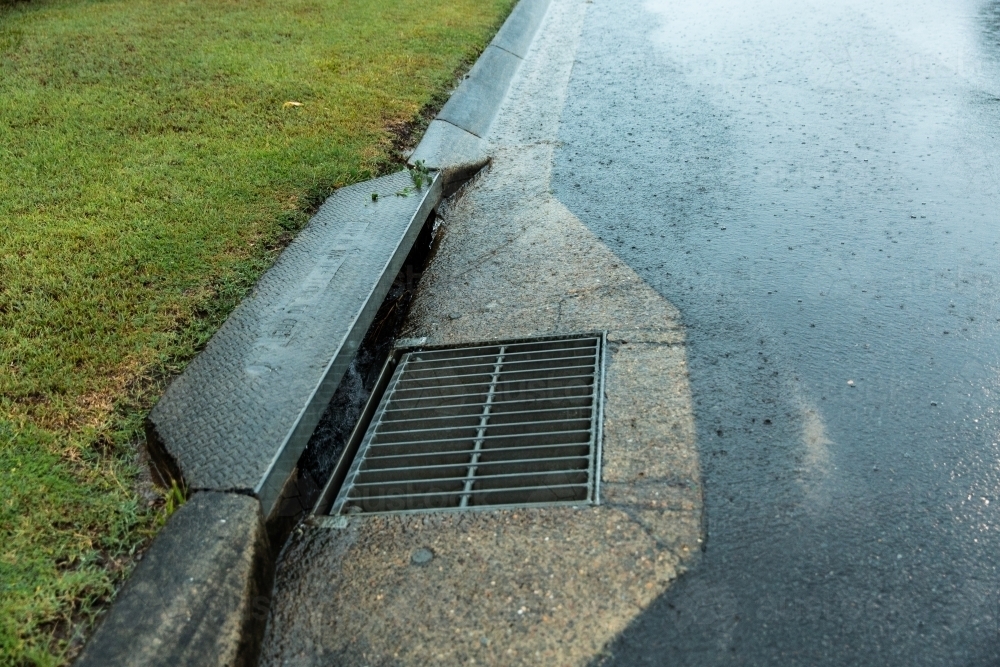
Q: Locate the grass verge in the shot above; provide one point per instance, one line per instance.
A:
(155, 156)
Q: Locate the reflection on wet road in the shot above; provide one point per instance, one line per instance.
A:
(817, 187)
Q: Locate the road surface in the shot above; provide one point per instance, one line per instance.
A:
(815, 186)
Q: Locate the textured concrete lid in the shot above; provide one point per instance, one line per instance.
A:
(240, 415)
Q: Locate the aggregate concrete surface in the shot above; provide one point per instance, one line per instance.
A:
(532, 586)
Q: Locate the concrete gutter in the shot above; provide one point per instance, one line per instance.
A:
(200, 595)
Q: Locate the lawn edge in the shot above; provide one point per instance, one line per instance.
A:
(236, 626)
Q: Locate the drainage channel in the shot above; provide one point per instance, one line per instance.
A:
(501, 424)
(331, 435)
(417, 428)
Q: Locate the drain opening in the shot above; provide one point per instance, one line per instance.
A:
(350, 403)
(509, 423)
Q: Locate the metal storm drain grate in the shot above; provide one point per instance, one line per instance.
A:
(510, 423)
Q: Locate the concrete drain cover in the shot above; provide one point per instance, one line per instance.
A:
(505, 424)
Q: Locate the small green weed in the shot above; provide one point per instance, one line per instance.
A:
(173, 498)
(420, 175)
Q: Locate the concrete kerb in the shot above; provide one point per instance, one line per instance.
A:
(453, 143)
(199, 596)
(240, 415)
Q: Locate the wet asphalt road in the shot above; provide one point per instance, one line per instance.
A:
(817, 187)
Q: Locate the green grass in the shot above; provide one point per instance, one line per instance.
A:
(150, 170)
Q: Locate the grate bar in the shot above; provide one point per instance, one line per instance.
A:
(481, 432)
(502, 462)
(482, 426)
(479, 393)
(492, 450)
(477, 384)
(425, 378)
(485, 437)
(505, 414)
(466, 405)
(501, 489)
(586, 357)
(517, 364)
(467, 486)
(437, 360)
